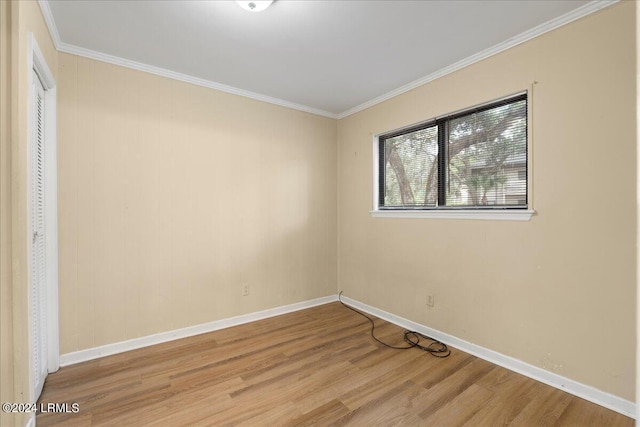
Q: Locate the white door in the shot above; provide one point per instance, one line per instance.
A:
(38, 313)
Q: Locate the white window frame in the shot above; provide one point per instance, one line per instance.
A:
(475, 214)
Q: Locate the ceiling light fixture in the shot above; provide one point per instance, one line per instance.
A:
(254, 5)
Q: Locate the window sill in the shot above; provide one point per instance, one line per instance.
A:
(500, 215)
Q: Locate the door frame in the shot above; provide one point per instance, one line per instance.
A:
(37, 63)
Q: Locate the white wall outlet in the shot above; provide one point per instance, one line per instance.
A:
(245, 289)
(431, 300)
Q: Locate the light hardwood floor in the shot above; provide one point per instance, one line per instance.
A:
(314, 367)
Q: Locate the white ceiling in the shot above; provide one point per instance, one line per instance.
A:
(327, 57)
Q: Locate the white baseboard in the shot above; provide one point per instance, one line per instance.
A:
(583, 391)
(120, 347)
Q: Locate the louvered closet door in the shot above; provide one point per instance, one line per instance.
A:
(38, 255)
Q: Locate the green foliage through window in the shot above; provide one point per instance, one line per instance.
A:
(473, 159)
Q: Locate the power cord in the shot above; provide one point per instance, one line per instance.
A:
(412, 338)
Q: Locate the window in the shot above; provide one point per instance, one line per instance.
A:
(471, 160)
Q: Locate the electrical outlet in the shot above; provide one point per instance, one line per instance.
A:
(431, 301)
(245, 289)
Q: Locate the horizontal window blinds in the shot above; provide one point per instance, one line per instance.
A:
(473, 159)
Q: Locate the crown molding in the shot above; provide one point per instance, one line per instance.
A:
(578, 13)
(92, 54)
(51, 23)
(111, 59)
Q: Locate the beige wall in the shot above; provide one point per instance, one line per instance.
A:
(637, 212)
(6, 323)
(558, 291)
(171, 196)
(19, 18)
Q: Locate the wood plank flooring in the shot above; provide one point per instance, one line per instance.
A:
(315, 367)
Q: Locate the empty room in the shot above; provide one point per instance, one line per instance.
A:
(316, 213)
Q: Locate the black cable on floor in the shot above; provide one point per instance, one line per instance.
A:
(412, 338)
